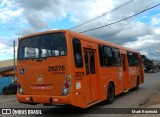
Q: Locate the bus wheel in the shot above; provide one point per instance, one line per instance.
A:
(110, 94)
(137, 84)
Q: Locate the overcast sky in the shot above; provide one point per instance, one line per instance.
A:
(22, 17)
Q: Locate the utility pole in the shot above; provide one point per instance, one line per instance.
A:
(14, 64)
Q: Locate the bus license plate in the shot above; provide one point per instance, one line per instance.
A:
(41, 87)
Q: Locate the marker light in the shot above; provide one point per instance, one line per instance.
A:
(19, 88)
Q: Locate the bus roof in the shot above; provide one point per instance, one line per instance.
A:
(82, 37)
(100, 41)
(41, 33)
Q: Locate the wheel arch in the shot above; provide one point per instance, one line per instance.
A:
(113, 83)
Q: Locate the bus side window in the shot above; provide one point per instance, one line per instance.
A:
(77, 53)
(133, 59)
(86, 62)
(92, 63)
(136, 59)
(130, 58)
(101, 58)
(108, 56)
(117, 57)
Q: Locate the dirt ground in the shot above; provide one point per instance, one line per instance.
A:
(153, 101)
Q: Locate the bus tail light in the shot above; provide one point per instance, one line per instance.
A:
(67, 85)
(19, 88)
(68, 79)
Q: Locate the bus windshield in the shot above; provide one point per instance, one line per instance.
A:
(42, 46)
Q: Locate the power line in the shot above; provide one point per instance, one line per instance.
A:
(121, 19)
(135, 17)
(154, 53)
(103, 14)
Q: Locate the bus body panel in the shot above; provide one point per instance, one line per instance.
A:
(86, 88)
(45, 77)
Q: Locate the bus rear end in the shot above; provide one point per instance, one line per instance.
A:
(42, 69)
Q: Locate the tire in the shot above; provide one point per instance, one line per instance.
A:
(110, 94)
(137, 85)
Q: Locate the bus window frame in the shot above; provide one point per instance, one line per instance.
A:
(41, 57)
(101, 55)
(74, 53)
(128, 57)
(120, 64)
(106, 56)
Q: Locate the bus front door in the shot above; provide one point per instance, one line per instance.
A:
(91, 79)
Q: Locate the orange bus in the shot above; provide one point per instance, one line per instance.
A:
(65, 67)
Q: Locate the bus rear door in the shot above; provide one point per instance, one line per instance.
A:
(91, 79)
(125, 73)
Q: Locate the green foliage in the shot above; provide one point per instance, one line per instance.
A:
(148, 63)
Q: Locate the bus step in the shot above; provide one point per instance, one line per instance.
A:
(126, 90)
(92, 103)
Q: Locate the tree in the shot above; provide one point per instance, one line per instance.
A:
(148, 63)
